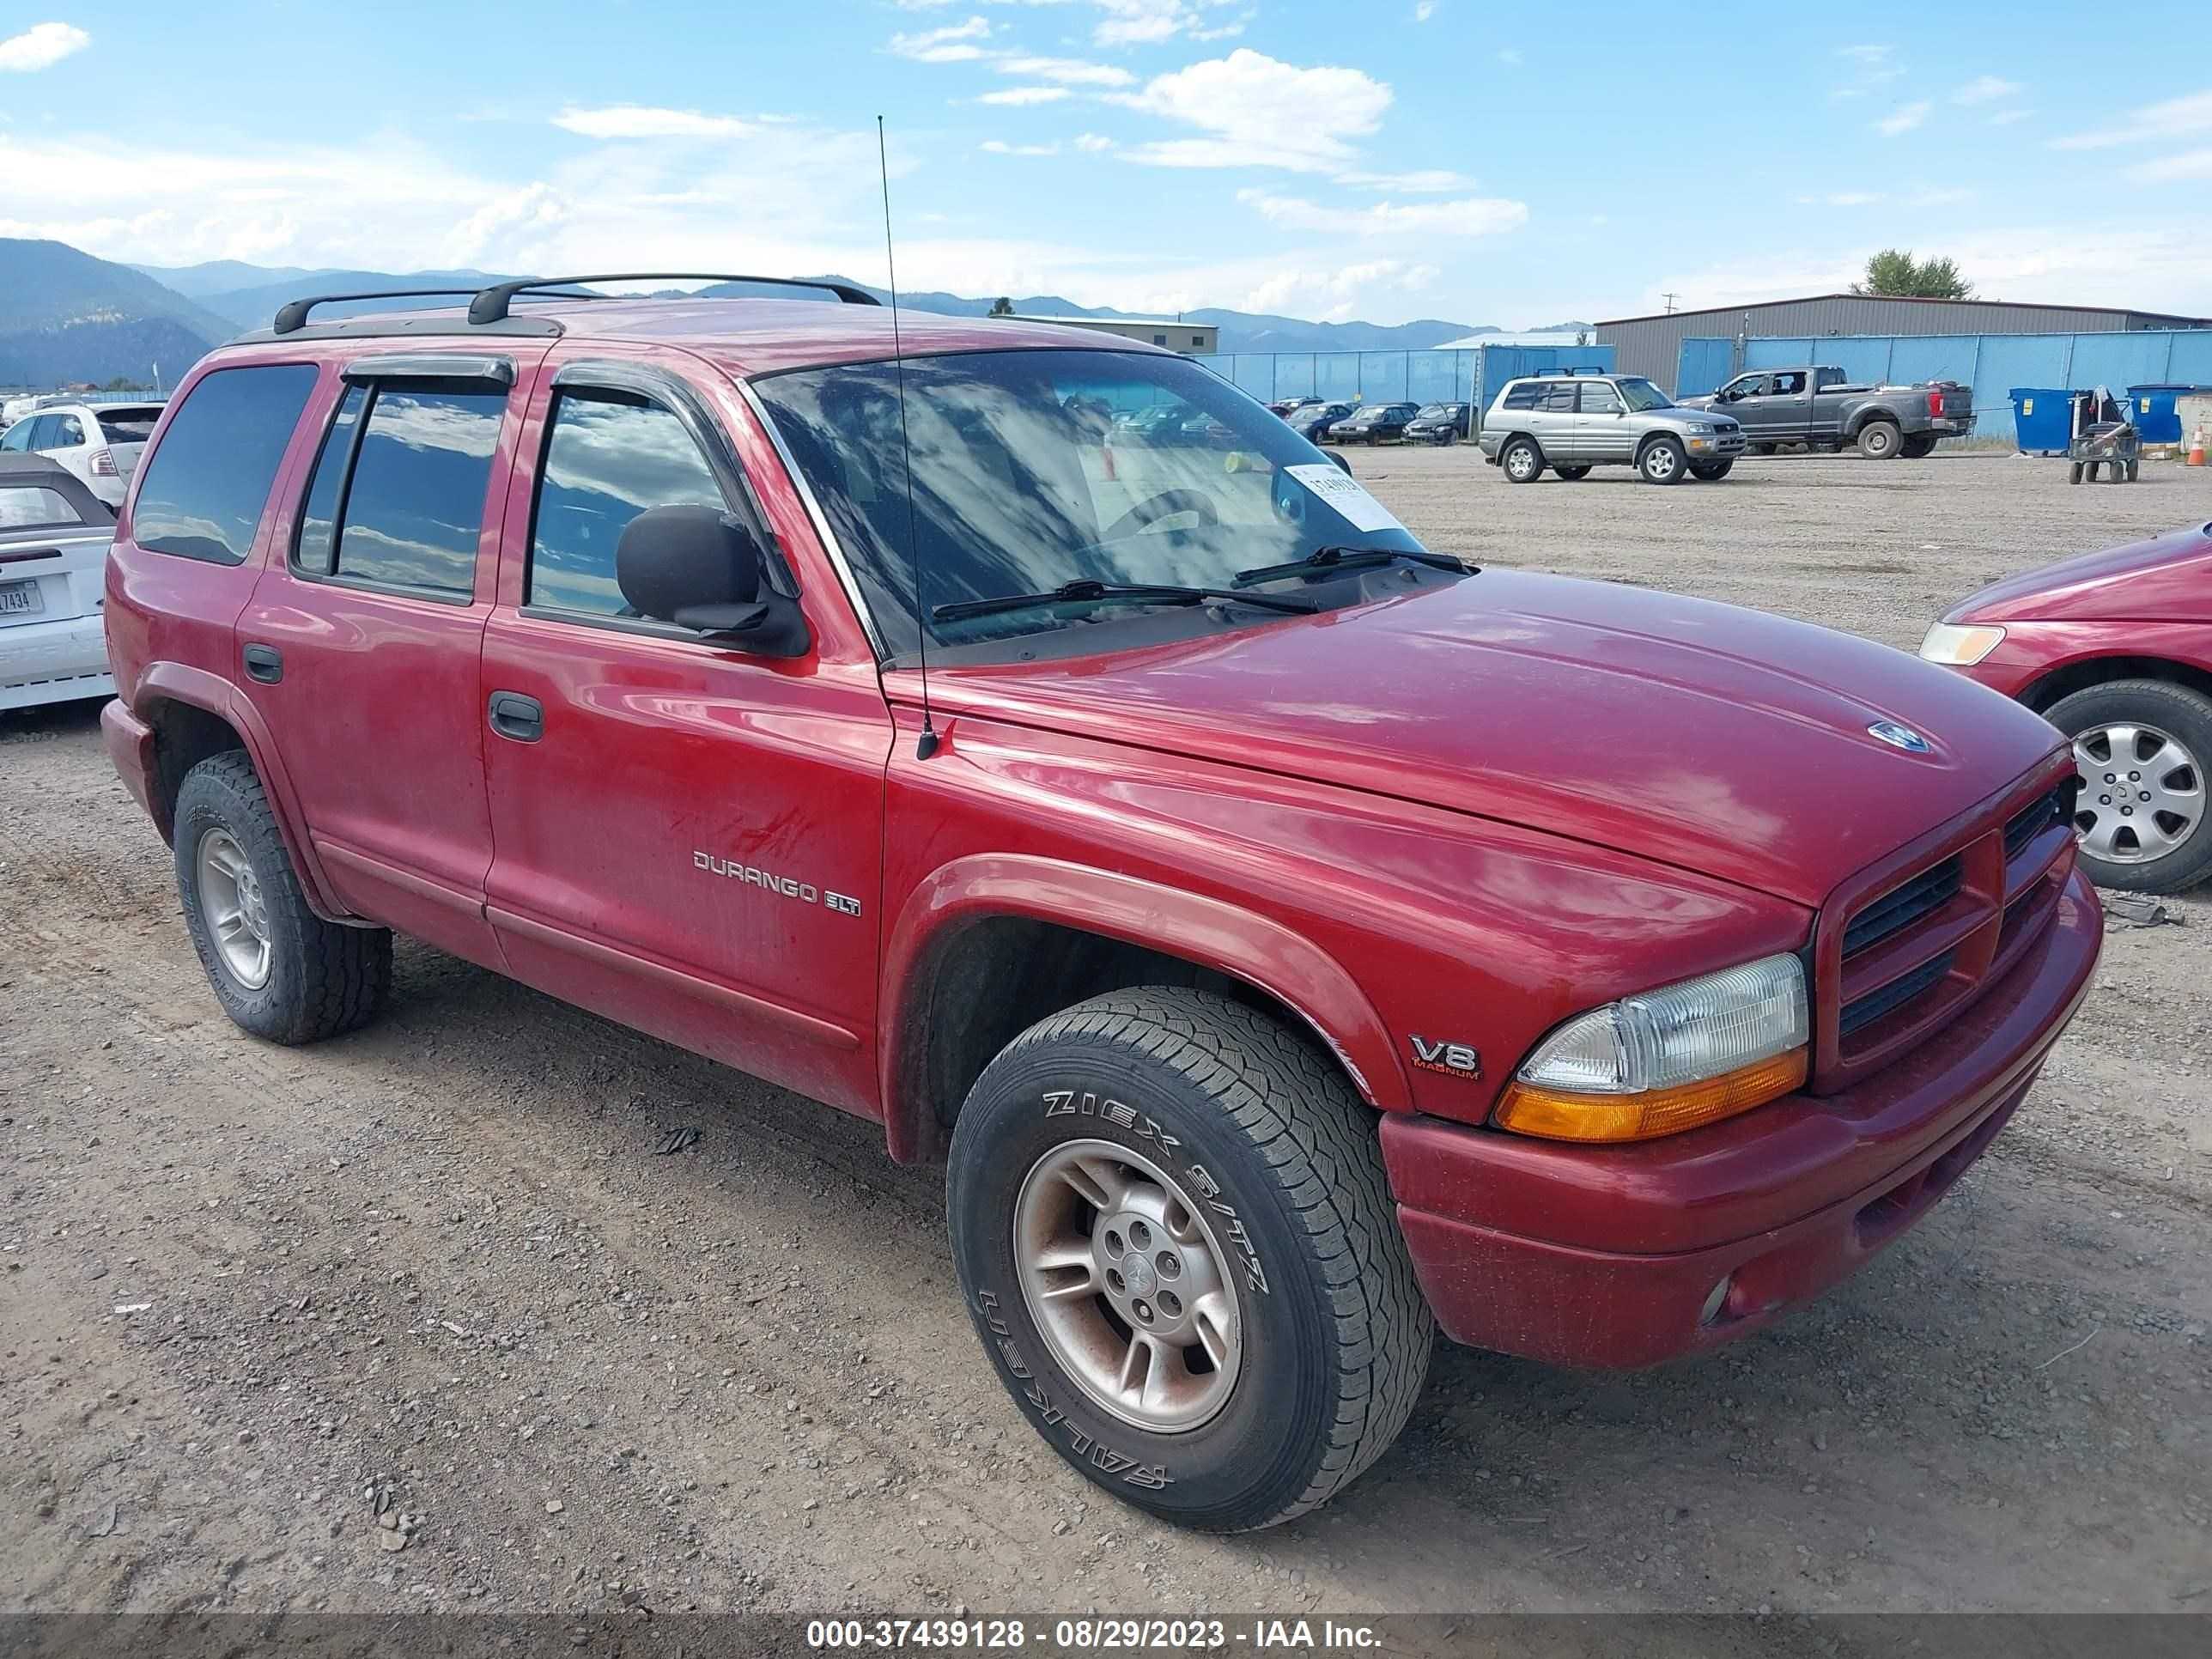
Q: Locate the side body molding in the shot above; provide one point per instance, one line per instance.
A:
(1208, 932)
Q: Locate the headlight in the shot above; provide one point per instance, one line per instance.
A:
(1697, 427)
(1667, 1060)
(1960, 647)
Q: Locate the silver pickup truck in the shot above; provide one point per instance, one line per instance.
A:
(1816, 405)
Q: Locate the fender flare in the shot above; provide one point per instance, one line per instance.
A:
(1211, 933)
(1866, 412)
(176, 682)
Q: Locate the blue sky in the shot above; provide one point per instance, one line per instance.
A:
(1378, 159)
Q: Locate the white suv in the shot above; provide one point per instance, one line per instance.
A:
(99, 442)
(1571, 421)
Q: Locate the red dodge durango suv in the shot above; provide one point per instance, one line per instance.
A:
(1293, 940)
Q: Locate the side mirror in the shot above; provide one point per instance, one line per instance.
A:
(700, 568)
(1343, 464)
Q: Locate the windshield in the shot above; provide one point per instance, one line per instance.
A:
(1437, 412)
(1033, 469)
(1640, 395)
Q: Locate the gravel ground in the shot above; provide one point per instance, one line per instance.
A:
(417, 1319)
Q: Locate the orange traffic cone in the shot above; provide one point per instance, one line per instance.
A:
(2197, 447)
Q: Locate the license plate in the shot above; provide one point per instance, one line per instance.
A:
(20, 598)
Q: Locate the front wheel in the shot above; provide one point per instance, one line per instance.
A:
(1880, 441)
(1661, 462)
(2141, 747)
(1572, 473)
(1171, 1224)
(1522, 461)
(279, 970)
(1710, 472)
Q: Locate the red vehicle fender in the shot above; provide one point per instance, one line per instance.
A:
(1208, 932)
(176, 682)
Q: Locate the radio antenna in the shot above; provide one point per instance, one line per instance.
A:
(927, 745)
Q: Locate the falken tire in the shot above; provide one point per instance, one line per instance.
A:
(321, 979)
(1333, 1334)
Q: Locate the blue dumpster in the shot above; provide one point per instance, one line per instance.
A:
(2042, 418)
(2151, 408)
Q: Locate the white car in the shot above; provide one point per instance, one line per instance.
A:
(99, 442)
(54, 535)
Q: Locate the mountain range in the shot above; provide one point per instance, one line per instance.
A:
(66, 317)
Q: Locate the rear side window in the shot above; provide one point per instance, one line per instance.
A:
(1523, 397)
(610, 456)
(200, 495)
(133, 428)
(24, 506)
(1559, 397)
(398, 498)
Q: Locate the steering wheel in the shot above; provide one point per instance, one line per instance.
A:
(1165, 505)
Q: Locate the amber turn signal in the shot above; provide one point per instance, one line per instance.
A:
(1565, 1115)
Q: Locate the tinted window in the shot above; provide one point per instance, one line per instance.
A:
(414, 507)
(17, 438)
(609, 458)
(68, 433)
(1598, 399)
(200, 495)
(1559, 397)
(320, 516)
(22, 506)
(1523, 397)
(131, 426)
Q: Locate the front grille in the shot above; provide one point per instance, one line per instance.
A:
(1887, 998)
(1899, 908)
(2031, 821)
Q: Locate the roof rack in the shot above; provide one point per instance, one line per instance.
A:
(490, 306)
(292, 315)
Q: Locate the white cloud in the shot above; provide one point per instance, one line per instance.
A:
(1421, 181)
(1872, 68)
(1020, 95)
(2005, 118)
(1335, 296)
(2190, 164)
(953, 44)
(1149, 22)
(1093, 142)
(1986, 89)
(639, 121)
(1475, 216)
(1425, 10)
(2174, 118)
(1259, 111)
(1939, 196)
(42, 45)
(1001, 147)
(1903, 119)
(1068, 71)
(1842, 198)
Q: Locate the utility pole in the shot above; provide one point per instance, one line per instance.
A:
(1670, 296)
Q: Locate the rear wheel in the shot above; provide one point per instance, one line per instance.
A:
(2073, 473)
(278, 969)
(1170, 1221)
(2141, 747)
(1880, 441)
(1661, 462)
(1712, 471)
(1522, 461)
(1764, 449)
(1571, 473)
(1919, 446)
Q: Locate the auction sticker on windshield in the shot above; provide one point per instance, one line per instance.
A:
(1346, 495)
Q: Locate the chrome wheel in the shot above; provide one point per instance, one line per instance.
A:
(2142, 792)
(1126, 1281)
(230, 901)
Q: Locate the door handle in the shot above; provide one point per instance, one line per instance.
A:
(514, 715)
(264, 663)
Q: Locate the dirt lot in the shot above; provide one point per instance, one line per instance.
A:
(250, 1294)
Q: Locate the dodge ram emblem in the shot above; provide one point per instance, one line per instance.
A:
(1898, 737)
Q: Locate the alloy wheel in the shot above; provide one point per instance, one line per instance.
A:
(2142, 792)
(230, 900)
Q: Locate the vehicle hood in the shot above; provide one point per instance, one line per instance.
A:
(1697, 734)
(2166, 578)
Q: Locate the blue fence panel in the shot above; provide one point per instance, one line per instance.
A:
(1778, 351)
(1433, 377)
(2120, 360)
(2192, 358)
(1914, 357)
(1383, 376)
(1705, 362)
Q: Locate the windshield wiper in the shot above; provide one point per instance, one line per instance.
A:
(1087, 591)
(1329, 559)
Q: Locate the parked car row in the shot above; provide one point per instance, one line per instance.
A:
(1324, 421)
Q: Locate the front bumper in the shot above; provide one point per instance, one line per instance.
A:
(53, 662)
(1584, 1256)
